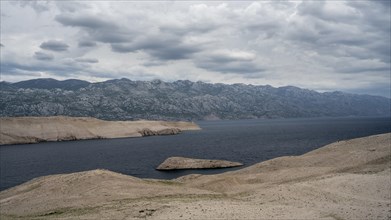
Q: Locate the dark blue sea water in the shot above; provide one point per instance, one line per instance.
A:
(246, 141)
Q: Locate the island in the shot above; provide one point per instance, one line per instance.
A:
(343, 180)
(26, 130)
(180, 163)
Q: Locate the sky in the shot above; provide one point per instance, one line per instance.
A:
(319, 45)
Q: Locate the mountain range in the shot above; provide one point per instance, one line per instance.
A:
(124, 99)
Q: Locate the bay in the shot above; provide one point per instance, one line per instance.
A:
(245, 141)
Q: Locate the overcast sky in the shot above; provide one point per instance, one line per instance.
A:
(320, 45)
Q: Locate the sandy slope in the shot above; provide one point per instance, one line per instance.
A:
(18, 130)
(344, 180)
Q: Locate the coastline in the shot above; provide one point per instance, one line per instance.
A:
(27, 130)
(343, 180)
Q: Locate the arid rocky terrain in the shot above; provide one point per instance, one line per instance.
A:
(344, 180)
(21, 130)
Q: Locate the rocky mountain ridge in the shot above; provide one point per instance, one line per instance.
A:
(124, 99)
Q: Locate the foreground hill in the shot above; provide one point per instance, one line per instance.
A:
(123, 99)
(344, 180)
(21, 130)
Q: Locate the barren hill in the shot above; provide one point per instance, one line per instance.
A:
(19, 130)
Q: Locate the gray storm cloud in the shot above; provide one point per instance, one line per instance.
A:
(229, 61)
(85, 21)
(87, 60)
(86, 43)
(43, 56)
(54, 45)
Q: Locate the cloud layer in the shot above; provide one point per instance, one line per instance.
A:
(321, 45)
(54, 45)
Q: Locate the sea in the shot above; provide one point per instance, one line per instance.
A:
(246, 141)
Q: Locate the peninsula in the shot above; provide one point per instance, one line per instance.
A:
(25, 130)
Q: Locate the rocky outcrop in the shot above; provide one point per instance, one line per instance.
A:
(178, 163)
(168, 131)
(23, 130)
